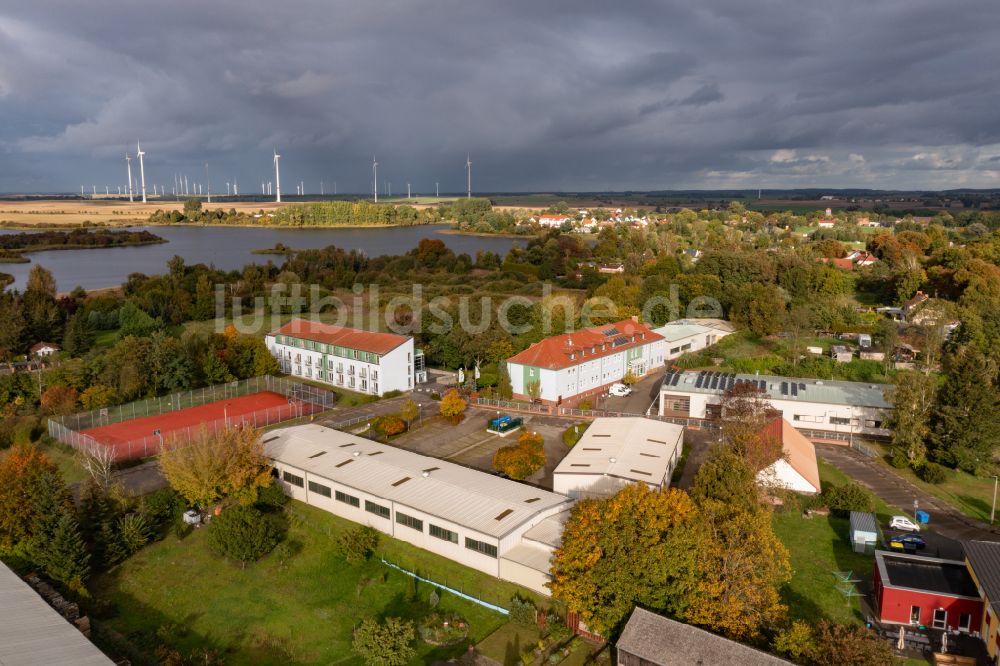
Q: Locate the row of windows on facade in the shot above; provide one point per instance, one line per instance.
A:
(384, 512)
(320, 374)
(344, 352)
(836, 420)
(362, 372)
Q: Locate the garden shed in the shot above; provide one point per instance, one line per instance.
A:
(864, 532)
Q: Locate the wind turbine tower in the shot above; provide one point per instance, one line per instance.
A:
(128, 161)
(468, 171)
(277, 176)
(208, 184)
(142, 170)
(375, 173)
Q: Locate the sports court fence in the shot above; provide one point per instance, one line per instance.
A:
(303, 400)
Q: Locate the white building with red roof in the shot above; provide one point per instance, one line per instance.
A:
(572, 366)
(351, 358)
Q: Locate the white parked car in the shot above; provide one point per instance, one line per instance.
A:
(903, 523)
(620, 390)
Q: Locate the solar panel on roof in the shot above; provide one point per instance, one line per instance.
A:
(802, 387)
(611, 331)
(795, 389)
(715, 382)
(621, 340)
(784, 388)
(676, 379)
(697, 382)
(762, 384)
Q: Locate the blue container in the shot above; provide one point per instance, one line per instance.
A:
(923, 517)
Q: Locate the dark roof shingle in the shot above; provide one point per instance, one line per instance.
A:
(984, 559)
(666, 642)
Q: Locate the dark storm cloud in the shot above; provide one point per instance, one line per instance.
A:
(544, 95)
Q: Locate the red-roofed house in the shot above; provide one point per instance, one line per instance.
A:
(571, 366)
(797, 469)
(373, 363)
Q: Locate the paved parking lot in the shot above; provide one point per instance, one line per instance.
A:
(644, 393)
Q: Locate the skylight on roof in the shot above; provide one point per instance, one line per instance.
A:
(401, 481)
(639, 471)
(317, 455)
(503, 514)
(532, 499)
(346, 462)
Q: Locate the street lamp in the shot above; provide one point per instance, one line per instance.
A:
(993, 509)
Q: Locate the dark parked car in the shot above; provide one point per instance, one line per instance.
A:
(908, 542)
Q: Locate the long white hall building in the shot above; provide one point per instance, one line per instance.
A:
(354, 359)
(470, 517)
(572, 366)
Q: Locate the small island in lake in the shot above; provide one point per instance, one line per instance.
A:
(14, 246)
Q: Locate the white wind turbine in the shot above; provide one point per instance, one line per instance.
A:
(375, 172)
(277, 176)
(468, 169)
(128, 161)
(142, 170)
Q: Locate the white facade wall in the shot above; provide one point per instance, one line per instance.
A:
(392, 371)
(588, 373)
(457, 552)
(801, 414)
(782, 475)
(691, 343)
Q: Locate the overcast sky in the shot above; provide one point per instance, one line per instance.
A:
(544, 94)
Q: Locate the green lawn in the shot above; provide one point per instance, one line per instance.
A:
(819, 547)
(179, 594)
(972, 495)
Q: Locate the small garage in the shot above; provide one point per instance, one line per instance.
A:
(864, 532)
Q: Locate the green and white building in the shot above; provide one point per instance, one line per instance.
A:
(350, 358)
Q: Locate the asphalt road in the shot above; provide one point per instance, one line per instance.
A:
(901, 494)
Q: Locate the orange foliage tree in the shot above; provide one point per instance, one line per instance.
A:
(59, 400)
(635, 548)
(22, 482)
(522, 459)
(452, 406)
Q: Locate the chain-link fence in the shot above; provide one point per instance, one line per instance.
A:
(303, 400)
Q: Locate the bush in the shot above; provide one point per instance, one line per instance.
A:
(849, 497)
(242, 534)
(388, 425)
(932, 473)
(522, 611)
(899, 459)
(133, 534)
(573, 434)
(271, 497)
(521, 460)
(161, 508)
(395, 393)
(357, 544)
(385, 644)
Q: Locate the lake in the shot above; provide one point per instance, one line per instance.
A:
(230, 248)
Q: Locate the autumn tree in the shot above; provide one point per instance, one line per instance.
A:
(452, 406)
(829, 644)
(409, 411)
(912, 399)
(23, 481)
(740, 568)
(59, 400)
(634, 548)
(522, 459)
(228, 463)
(388, 425)
(726, 477)
(746, 413)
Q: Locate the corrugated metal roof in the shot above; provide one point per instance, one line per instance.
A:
(823, 391)
(531, 556)
(863, 521)
(32, 633)
(549, 531)
(630, 447)
(466, 497)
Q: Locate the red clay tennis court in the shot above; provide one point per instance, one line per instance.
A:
(138, 437)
